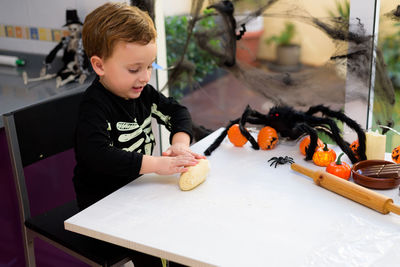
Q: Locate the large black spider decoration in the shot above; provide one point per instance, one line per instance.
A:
(291, 124)
(280, 160)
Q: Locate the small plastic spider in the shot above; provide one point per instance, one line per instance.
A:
(280, 160)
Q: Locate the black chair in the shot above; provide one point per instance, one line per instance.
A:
(33, 134)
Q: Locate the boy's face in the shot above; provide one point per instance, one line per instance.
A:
(128, 69)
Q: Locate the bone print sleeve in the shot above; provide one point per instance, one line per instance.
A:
(170, 113)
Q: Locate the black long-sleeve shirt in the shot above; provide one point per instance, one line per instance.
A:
(113, 134)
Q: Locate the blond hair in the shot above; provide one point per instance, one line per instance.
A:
(113, 22)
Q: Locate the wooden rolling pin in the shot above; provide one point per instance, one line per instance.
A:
(357, 193)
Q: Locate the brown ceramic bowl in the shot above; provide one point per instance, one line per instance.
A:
(370, 182)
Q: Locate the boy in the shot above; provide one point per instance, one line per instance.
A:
(114, 141)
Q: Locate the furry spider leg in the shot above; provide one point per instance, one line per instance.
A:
(220, 138)
(241, 121)
(326, 130)
(351, 123)
(243, 130)
(335, 134)
(303, 127)
(256, 118)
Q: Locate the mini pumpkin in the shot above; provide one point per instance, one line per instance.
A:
(267, 138)
(339, 168)
(396, 154)
(305, 142)
(235, 136)
(323, 156)
(354, 146)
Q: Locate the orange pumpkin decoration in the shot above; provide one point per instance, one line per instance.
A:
(306, 142)
(339, 168)
(354, 146)
(267, 138)
(396, 154)
(235, 136)
(323, 156)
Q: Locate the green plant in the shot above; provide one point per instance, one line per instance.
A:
(342, 9)
(176, 35)
(285, 37)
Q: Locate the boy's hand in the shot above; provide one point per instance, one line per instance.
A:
(170, 165)
(181, 149)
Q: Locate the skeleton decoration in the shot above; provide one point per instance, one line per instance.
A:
(76, 64)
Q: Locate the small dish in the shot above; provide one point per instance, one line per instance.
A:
(370, 182)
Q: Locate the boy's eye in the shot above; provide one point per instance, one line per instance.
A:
(133, 71)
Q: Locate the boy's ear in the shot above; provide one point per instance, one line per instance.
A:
(97, 64)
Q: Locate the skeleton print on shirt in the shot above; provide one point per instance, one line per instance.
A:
(140, 138)
(137, 137)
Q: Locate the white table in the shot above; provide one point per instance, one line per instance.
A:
(245, 214)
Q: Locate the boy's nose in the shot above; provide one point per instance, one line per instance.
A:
(145, 77)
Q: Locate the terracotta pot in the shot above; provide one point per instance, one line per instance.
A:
(247, 47)
(288, 55)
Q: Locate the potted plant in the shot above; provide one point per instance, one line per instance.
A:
(287, 52)
(247, 46)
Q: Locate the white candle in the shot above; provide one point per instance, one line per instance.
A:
(375, 145)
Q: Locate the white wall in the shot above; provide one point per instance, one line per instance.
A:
(39, 13)
(176, 7)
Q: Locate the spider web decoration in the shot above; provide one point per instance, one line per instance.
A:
(182, 66)
(354, 50)
(384, 88)
(394, 14)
